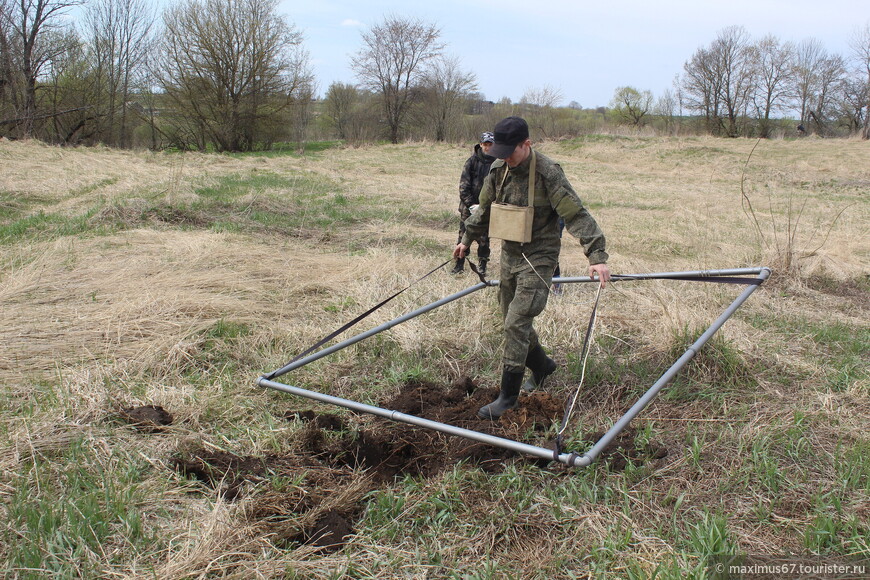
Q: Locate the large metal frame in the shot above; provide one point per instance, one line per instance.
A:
(571, 459)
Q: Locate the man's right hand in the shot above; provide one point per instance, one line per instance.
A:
(602, 272)
(460, 251)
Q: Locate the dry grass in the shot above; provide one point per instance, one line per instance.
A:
(101, 320)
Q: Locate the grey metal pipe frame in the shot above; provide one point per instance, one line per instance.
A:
(657, 275)
(645, 400)
(569, 459)
(418, 421)
(423, 310)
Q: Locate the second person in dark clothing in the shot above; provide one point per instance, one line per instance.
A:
(470, 183)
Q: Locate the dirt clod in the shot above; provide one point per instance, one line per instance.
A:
(150, 418)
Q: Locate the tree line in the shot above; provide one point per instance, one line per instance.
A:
(234, 75)
(739, 86)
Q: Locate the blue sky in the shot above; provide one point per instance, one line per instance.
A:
(584, 50)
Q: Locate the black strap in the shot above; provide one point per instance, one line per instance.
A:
(332, 335)
(476, 270)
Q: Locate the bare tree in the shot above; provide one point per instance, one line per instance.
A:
(544, 97)
(719, 80)
(773, 71)
(120, 39)
(8, 52)
(538, 107)
(445, 87)
(701, 87)
(734, 53)
(808, 55)
(860, 44)
(666, 107)
(29, 23)
(831, 78)
(392, 62)
(233, 70)
(352, 112)
(850, 104)
(341, 98)
(65, 101)
(816, 78)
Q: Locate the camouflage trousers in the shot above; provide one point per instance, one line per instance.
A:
(522, 295)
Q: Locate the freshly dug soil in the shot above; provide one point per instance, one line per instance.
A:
(338, 464)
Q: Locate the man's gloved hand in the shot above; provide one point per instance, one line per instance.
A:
(473, 208)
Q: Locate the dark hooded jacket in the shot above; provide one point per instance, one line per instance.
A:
(473, 174)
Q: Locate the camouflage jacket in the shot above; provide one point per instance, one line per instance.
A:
(473, 175)
(554, 197)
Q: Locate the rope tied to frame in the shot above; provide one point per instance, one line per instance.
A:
(584, 357)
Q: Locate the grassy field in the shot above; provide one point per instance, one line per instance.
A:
(142, 295)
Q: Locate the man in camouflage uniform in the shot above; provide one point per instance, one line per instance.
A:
(470, 183)
(527, 269)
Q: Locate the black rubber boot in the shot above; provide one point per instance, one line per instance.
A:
(541, 366)
(459, 267)
(507, 398)
(482, 267)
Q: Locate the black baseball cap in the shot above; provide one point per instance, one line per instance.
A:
(509, 132)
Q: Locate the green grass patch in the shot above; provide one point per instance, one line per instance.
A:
(438, 220)
(412, 243)
(616, 364)
(44, 226)
(853, 469)
(695, 153)
(638, 205)
(222, 353)
(717, 370)
(594, 138)
(231, 187)
(842, 347)
(835, 530)
(71, 514)
(13, 204)
(92, 187)
(297, 205)
(710, 539)
(42, 397)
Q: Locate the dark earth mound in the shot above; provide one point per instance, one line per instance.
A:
(147, 418)
(314, 497)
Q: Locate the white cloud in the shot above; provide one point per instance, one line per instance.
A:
(351, 22)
